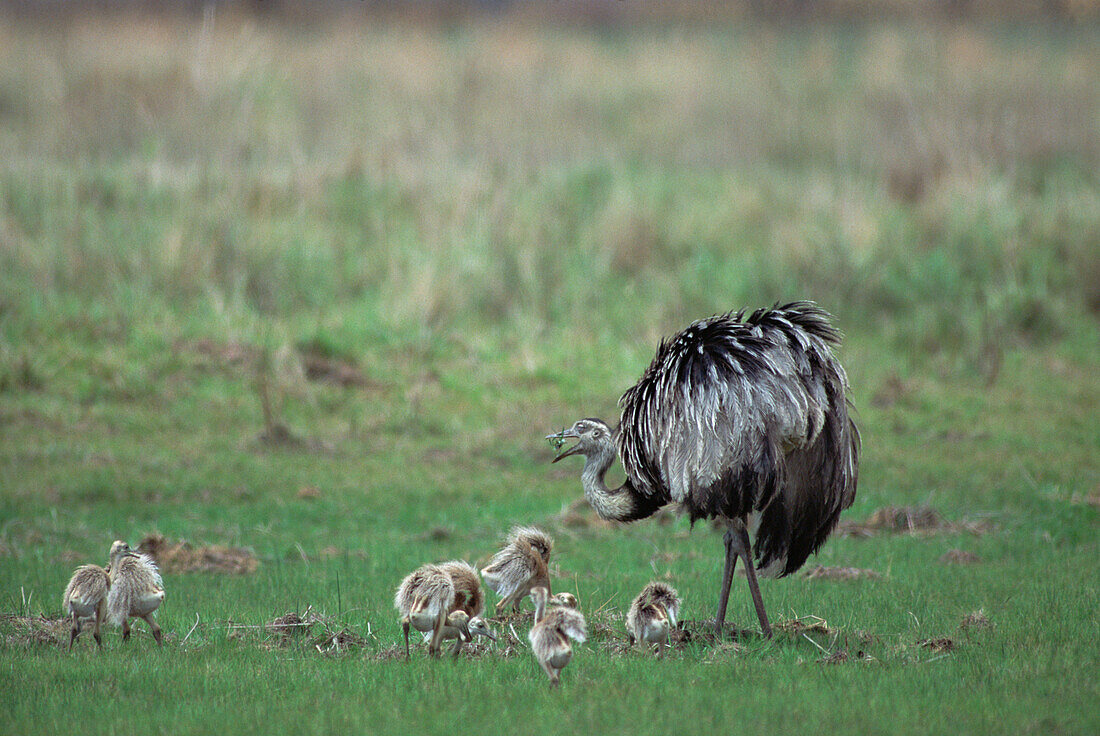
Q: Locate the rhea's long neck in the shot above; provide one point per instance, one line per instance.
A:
(615, 505)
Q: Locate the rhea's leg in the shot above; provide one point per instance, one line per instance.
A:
(405, 628)
(436, 646)
(154, 628)
(727, 578)
(550, 672)
(745, 550)
(126, 629)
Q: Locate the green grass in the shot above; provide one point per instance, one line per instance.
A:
(492, 225)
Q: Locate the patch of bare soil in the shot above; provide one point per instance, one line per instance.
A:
(908, 520)
(329, 370)
(821, 572)
(959, 557)
(222, 353)
(309, 493)
(36, 630)
(316, 366)
(181, 556)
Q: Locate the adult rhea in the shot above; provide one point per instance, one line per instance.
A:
(739, 419)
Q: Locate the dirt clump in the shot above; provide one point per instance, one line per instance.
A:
(180, 556)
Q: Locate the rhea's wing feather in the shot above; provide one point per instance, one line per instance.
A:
(709, 422)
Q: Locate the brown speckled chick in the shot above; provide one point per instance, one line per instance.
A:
(519, 567)
(136, 589)
(86, 597)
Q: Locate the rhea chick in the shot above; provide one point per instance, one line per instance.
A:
(521, 565)
(652, 615)
(136, 589)
(549, 637)
(424, 599)
(86, 598)
(463, 629)
(464, 620)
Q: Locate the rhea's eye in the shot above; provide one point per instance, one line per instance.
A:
(596, 434)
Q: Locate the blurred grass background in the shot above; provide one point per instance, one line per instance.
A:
(402, 247)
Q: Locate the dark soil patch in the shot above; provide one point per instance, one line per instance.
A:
(822, 572)
(180, 556)
(222, 353)
(330, 370)
(908, 520)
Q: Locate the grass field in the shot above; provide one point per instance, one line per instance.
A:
(319, 293)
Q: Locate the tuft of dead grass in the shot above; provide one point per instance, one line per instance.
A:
(310, 630)
(804, 625)
(959, 557)
(840, 656)
(35, 630)
(180, 556)
(939, 644)
(821, 572)
(975, 621)
(909, 520)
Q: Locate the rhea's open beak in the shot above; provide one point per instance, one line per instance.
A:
(491, 634)
(559, 438)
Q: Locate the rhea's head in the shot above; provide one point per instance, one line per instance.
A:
(593, 437)
(479, 627)
(118, 549)
(565, 599)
